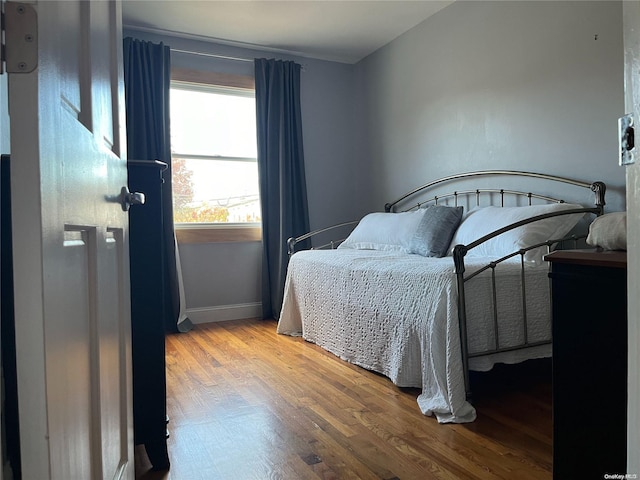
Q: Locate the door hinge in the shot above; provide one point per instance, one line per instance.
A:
(19, 38)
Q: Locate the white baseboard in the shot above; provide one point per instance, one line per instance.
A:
(224, 312)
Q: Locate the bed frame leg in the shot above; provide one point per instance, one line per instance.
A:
(458, 258)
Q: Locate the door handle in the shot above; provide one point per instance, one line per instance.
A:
(127, 199)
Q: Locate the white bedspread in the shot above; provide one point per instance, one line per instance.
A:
(396, 314)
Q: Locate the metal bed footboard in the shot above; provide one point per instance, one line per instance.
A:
(459, 253)
(598, 189)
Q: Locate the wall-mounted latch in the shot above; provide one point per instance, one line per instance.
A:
(626, 140)
(19, 50)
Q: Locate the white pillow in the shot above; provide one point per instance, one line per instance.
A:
(482, 221)
(384, 231)
(609, 231)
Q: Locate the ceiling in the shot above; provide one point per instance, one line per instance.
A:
(341, 31)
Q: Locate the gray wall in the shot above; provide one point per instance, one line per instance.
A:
(4, 115)
(482, 85)
(222, 280)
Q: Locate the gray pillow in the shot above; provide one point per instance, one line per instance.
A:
(435, 230)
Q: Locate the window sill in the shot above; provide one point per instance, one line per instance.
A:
(190, 234)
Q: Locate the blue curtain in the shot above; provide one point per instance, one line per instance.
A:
(147, 78)
(283, 190)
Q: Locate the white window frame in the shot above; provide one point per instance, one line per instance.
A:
(215, 232)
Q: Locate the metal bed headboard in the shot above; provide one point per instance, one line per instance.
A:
(598, 188)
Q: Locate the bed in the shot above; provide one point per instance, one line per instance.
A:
(438, 285)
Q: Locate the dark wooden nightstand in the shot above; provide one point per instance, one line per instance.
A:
(589, 292)
(148, 286)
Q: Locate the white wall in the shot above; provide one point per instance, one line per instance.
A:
(481, 85)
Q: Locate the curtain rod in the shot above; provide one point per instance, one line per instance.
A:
(213, 55)
(303, 67)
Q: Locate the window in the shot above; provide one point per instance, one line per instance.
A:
(213, 154)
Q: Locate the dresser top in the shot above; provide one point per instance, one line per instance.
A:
(592, 257)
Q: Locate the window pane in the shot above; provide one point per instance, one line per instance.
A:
(204, 122)
(215, 191)
(211, 121)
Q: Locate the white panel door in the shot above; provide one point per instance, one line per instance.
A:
(71, 248)
(631, 19)
(4, 148)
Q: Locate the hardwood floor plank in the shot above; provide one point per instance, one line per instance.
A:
(246, 403)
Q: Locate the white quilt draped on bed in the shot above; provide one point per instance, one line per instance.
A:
(396, 314)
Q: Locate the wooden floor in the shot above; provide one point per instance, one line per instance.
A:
(245, 403)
